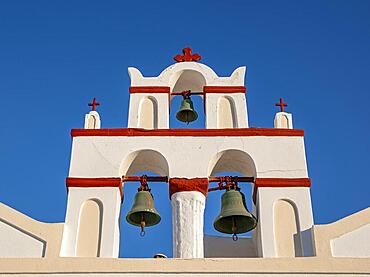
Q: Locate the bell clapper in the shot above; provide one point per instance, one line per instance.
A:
(142, 226)
(233, 229)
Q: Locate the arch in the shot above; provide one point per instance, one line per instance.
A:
(148, 113)
(145, 160)
(91, 122)
(232, 160)
(226, 113)
(89, 229)
(286, 229)
(187, 79)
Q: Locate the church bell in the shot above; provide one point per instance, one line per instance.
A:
(143, 212)
(186, 112)
(234, 217)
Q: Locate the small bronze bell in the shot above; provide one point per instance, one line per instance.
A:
(234, 217)
(143, 213)
(187, 113)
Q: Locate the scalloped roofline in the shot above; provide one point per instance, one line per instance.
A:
(170, 74)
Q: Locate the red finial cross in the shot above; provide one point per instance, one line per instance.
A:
(281, 104)
(94, 104)
(188, 56)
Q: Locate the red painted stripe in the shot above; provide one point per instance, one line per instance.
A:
(282, 182)
(224, 89)
(94, 183)
(148, 89)
(237, 132)
(279, 183)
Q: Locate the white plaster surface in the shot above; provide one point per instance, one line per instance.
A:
(212, 109)
(188, 76)
(111, 200)
(273, 157)
(354, 244)
(161, 106)
(283, 120)
(298, 197)
(17, 243)
(187, 224)
(225, 247)
(92, 120)
(171, 74)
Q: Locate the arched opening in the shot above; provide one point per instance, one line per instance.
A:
(89, 229)
(182, 81)
(145, 160)
(187, 80)
(158, 238)
(228, 163)
(232, 160)
(148, 113)
(286, 229)
(226, 113)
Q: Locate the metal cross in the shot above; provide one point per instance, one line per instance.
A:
(94, 104)
(281, 104)
(188, 56)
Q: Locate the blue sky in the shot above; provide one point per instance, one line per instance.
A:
(55, 56)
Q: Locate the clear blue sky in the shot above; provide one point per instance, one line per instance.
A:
(55, 56)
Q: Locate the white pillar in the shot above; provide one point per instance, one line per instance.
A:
(80, 191)
(187, 224)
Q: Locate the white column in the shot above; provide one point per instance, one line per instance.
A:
(187, 224)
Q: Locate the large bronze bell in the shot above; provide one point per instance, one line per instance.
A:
(234, 217)
(187, 113)
(143, 213)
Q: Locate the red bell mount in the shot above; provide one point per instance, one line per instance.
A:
(144, 179)
(187, 93)
(224, 182)
(228, 182)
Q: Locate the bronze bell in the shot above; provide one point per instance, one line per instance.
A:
(143, 213)
(187, 113)
(234, 217)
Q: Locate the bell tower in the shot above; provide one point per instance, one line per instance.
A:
(190, 161)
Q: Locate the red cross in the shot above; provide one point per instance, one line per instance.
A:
(94, 104)
(281, 104)
(188, 56)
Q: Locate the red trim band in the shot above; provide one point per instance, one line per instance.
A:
(279, 183)
(138, 132)
(206, 89)
(153, 89)
(94, 183)
(224, 89)
(185, 184)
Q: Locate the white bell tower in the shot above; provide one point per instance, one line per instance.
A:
(272, 159)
